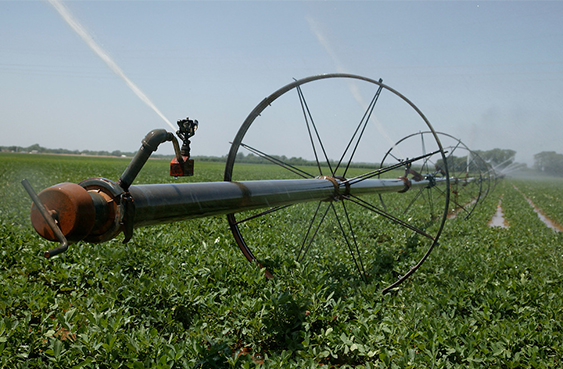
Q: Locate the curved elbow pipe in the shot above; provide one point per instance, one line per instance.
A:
(148, 145)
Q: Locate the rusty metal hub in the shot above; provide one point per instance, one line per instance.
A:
(72, 208)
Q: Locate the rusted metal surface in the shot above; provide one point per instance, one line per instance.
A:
(110, 207)
(72, 209)
(407, 183)
(182, 168)
(48, 220)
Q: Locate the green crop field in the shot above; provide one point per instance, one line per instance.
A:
(182, 295)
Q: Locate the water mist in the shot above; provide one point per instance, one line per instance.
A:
(81, 31)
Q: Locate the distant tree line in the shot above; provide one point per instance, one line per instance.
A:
(546, 162)
(255, 159)
(36, 149)
(295, 161)
(497, 157)
(549, 162)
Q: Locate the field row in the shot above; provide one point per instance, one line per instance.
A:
(547, 195)
(542, 199)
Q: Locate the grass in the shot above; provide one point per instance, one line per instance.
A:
(182, 295)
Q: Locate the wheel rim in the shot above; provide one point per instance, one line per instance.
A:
(355, 223)
(468, 173)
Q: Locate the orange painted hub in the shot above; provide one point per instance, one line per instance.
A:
(72, 208)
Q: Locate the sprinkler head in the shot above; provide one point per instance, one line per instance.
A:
(187, 128)
(183, 165)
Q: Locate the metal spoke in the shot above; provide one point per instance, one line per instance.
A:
(461, 207)
(360, 268)
(363, 122)
(392, 218)
(384, 170)
(465, 189)
(473, 198)
(394, 157)
(262, 213)
(454, 149)
(277, 161)
(304, 249)
(307, 113)
(313, 230)
(423, 145)
(440, 191)
(413, 200)
(430, 202)
(425, 164)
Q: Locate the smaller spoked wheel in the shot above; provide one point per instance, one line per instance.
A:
(468, 175)
(338, 126)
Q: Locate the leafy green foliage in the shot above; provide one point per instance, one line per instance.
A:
(503, 157)
(549, 162)
(182, 295)
(545, 194)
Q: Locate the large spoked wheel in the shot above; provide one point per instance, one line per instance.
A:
(337, 126)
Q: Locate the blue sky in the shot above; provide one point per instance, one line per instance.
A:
(489, 73)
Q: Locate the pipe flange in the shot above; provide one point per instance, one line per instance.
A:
(346, 186)
(336, 183)
(112, 194)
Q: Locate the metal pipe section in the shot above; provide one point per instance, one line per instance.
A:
(148, 146)
(164, 203)
(371, 186)
(112, 209)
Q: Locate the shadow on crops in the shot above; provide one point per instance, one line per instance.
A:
(339, 271)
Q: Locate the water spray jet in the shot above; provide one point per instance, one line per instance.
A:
(104, 56)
